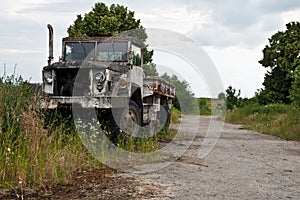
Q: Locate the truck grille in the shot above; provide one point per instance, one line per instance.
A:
(69, 82)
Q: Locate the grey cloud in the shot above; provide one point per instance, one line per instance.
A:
(232, 22)
(271, 23)
(274, 6)
(81, 6)
(232, 13)
(214, 34)
(235, 14)
(236, 22)
(12, 27)
(19, 33)
(75, 7)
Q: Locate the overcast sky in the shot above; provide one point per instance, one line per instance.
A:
(232, 33)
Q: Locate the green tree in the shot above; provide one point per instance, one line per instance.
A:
(204, 106)
(280, 58)
(110, 21)
(277, 85)
(221, 102)
(295, 90)
(184, 100)
(222, 96)
(150, 69)
(232, 98)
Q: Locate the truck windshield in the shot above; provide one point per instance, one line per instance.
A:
(112, 51)
(79, 51)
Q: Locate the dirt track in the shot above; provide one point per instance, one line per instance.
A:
(243, 165)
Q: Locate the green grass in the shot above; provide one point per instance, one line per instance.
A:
(175, 116)
(275, 119)
(34, 156)
(30, 155)
(146, 145)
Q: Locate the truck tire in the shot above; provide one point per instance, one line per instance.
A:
(126, 122)
(130, 119)
(164, 116)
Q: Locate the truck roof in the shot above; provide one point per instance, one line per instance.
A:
(104, 39)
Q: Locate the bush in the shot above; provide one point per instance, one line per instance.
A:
(232, 98)
(204, 106)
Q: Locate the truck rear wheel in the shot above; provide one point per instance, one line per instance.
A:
(164, 116)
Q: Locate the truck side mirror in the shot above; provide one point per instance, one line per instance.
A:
(130, 57)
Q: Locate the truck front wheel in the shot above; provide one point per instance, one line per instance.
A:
(125, 122)
(130, 119)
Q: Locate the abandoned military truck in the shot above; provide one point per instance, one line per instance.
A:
(105, 74)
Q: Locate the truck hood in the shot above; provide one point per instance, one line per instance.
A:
(114, 66)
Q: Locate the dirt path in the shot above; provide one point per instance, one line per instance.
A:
(243, 165)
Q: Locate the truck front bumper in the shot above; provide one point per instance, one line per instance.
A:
(52, 102)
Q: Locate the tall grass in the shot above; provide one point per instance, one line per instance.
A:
(34, 156)
(275, 119)
(175, 116)
(31, 155)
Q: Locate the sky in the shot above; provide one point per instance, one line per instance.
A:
(232, 33)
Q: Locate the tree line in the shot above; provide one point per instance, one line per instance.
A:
(281, 58)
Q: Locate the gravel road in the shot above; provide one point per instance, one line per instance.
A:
(242, 165)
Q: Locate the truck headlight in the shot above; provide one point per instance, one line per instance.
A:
(48, 77)
(100, 77)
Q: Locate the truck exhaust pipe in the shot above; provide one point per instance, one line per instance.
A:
(50, 58)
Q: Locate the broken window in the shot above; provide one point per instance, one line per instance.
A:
(80, 51)
(112, 51)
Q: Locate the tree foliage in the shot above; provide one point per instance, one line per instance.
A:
(277, 84)
(232, 98)
(295, 90)
(222, 96)
(184, 101)
(204, 106)
(110, 21)
(150, 69)
(281, 59)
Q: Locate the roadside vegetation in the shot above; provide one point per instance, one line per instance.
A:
(272, 119)
(32, 155)
(275, 109)
(29, 154)
(282, 120)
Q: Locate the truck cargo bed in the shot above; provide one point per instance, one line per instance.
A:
(156, 85)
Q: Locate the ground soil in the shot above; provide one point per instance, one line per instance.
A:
(92, 184)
